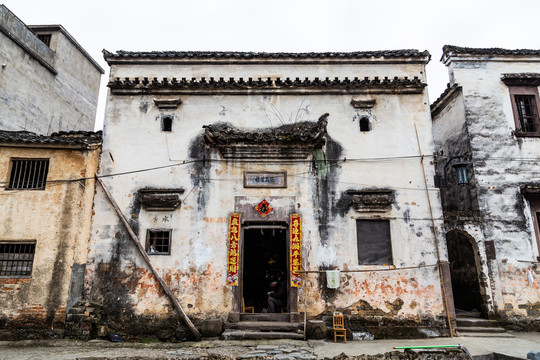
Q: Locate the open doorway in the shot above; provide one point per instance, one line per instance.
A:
(264, 259)
(465, 276)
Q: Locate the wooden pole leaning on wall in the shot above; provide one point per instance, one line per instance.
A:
(142, 252)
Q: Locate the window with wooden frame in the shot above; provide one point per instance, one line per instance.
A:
(158, 241)
(17, 258)
(28, 174)
(166, 123)
(525, 101)
(373, 242)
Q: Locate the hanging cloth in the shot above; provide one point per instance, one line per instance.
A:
(332, 279)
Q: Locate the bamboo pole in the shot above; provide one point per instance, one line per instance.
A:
(142, 252)
(435, 235)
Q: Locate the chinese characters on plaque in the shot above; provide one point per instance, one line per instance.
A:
(255, 179)
(296, 250)
(232, 256)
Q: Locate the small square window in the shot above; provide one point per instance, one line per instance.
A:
(373, 242)
(166, 123)
(45, 38)
(16, 258)
(28, 174)
(158, 242)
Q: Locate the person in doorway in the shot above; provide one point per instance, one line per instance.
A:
(278, 297)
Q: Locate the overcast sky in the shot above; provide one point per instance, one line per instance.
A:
(289, 26)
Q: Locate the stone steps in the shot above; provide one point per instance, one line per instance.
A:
(232, 334)
(477, 327)
(280, 317)
(265, 326)
(485, 334)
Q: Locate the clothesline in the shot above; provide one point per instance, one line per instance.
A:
(374, 270)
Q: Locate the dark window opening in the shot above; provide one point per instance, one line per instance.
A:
(527, 112)
(45, 38)
(158, 242)
(16, 259)
(373, 242)
(28, 174)
(166, 123)
(364, 124)
(264, 260)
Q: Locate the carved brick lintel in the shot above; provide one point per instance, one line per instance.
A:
(372, 200)
(160, 199)
(167, 104)
(362, 104)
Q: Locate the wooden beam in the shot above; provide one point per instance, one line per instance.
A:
(142, 252)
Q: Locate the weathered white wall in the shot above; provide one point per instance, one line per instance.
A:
(196, 268)
(501, 162)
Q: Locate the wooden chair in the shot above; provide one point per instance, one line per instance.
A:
(250, 309)
(339, 327)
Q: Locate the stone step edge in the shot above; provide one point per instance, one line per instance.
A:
(254, 335)
(481, 329)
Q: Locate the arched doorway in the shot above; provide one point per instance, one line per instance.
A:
(463, 258)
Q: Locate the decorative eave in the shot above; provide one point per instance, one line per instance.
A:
(160, 199)
(448, 95)
(409, 56)
(240, 86)
(363, 104)
(83, 140)
(458, 53)
(291, 141)
(521, 79)
(372, 200)
(167, 104)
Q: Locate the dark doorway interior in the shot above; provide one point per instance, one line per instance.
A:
(265, 257)
(464, 273)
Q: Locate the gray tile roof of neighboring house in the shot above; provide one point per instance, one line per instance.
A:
(264, 55)
(487, 51)
(69, 138)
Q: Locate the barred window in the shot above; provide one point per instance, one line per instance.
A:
(526, 112)
(45, 38)
(158, 242)
(28, 173)
(16, 258)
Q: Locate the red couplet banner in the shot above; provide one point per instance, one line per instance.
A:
(232, 256)
(296, 250)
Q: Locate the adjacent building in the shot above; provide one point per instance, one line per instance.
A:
(46, 196)
(49, 83)
(233, 168)
(487, 123)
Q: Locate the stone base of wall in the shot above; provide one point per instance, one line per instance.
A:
(378, 327)
(89, 321)
(33, 321)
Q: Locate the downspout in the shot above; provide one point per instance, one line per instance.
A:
(435, 235)
(137, 243)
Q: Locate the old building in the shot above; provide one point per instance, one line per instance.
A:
(231, 168)
(48, 82)
(46, 198)
(487, 123)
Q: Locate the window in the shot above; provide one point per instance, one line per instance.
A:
(16, 258)
(28, 173)
(534, 203)
(166, 123)
(527, 112)
(373, 241)
(45, 38)
(364, 124)
(523, 88)
(158, 242)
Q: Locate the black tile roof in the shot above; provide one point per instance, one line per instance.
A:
(71, 138)
(121, 54)
(487, 51)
